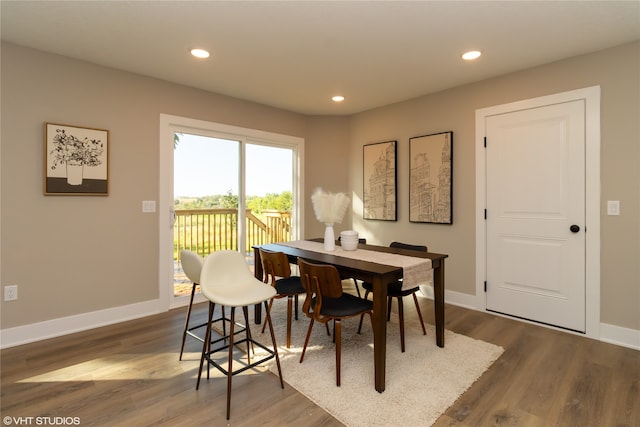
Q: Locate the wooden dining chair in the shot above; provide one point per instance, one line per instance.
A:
(394, 290)
(277, 273)
(325, 302)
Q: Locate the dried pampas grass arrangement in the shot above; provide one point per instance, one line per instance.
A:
(329, 207)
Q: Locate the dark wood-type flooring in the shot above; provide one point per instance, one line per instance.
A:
(128, 375)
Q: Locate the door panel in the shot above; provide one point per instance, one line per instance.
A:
(535, 165)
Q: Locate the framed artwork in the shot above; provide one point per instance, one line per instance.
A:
(379, 189)
(76, 160)
(430, 178)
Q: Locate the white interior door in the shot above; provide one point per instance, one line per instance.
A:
(535, 219)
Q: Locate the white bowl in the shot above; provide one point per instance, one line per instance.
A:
(349, 240)
(349, 245)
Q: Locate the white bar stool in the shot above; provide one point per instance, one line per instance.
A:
(225, 279)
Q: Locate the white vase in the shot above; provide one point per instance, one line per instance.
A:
(329, 238)
(74, 173)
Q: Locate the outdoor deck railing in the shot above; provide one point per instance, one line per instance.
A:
(209, 230)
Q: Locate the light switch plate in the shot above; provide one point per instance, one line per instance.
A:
(148, 206)
(613, 207)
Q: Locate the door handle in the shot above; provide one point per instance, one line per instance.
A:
(574, 228)
(172, 217)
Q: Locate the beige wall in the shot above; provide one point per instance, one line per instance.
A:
(617, 71)
(73, 255)
(328, 165)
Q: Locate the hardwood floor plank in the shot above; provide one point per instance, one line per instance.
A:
(129, 375)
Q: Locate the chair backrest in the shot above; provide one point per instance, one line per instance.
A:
(274, 265)
(226, 274)
(191, 265)
(419, 248)
(319, 280)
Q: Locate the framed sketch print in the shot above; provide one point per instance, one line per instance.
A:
(76, 160)
(379, 189)
(430, 186)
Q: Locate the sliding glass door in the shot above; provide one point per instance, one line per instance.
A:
(228, 191)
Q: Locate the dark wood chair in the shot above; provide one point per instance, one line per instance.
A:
(325, 302)
(277, 273)
(395, 290)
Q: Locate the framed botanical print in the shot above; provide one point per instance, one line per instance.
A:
(75, 160)
(430, 178)
(379, 186)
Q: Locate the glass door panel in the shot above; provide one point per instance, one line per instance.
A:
(269, 194)
(206, 183)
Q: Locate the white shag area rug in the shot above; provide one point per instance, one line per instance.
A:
(420, 383)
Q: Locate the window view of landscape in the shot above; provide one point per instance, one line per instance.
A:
(206, 182)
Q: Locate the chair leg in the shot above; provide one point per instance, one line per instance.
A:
(275, 346)
(415, 299)
(389, 308)
(205, 347)
(306, 340)
(401, 316)
(360, 323)
(334, 330)
(247, 331)
(264, 324)
(224, 325)
(230, 362)
(355, 283)
(296, 305)
(186, 321)
(337, 327)
(289, 314)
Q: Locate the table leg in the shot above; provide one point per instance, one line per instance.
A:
(438, 301)
(379, 332)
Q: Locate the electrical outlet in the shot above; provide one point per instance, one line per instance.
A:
(11, 293)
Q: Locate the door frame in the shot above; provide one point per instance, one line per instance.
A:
(169, 124)
(591, 96)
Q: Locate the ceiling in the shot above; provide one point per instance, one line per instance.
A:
(295, 55)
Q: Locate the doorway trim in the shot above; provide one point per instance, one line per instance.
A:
(591, 96)
(169, 124)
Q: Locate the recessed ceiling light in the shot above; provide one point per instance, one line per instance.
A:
(200, 53)
(337, 98)
(471, 55)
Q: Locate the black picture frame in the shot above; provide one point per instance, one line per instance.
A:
(380, 181)
(76, 160)
(431, 178)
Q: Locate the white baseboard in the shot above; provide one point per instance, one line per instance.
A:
(451, 297)
(611, 334)
(460, 299)
(618, 335)
(67, 325)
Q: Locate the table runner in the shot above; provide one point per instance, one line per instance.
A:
(415, 271)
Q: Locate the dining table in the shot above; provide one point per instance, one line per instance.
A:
(358, 264)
